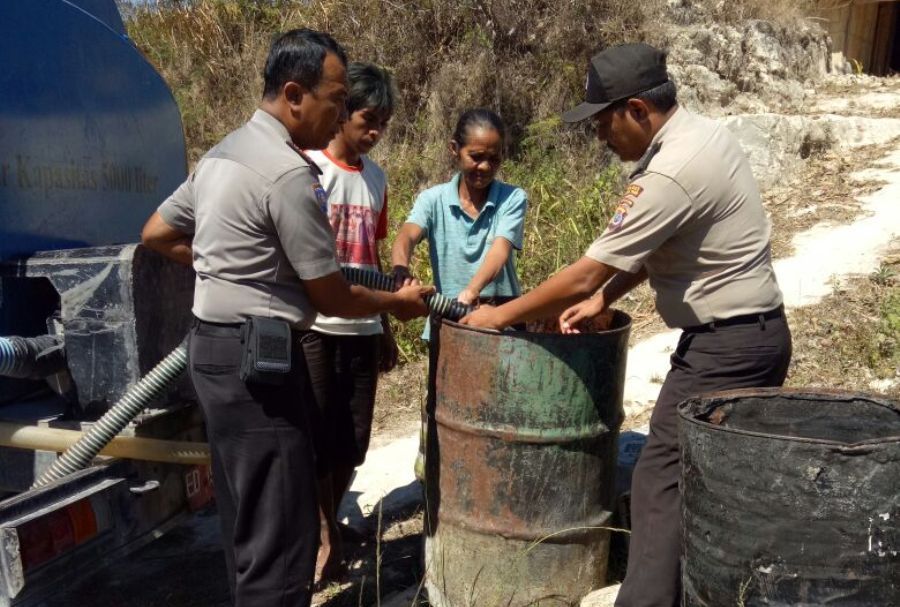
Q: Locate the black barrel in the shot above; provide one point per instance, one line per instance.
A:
(791, 497)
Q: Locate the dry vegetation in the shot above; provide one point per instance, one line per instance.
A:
(397, 544)
(524, 58)
(851, 340)
(825, 191)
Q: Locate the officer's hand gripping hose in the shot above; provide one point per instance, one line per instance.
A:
(438, 304)
(79, 455)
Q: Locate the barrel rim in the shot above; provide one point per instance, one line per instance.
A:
(688, 416)
(619, 314)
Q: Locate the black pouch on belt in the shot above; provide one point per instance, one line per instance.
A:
(266, 358)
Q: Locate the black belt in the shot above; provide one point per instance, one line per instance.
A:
(743, 319)
(231, 329)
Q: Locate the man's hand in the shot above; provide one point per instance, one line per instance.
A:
(467, 296)
(388, 351)
(409, 302)
(593, 308)
(485, 317)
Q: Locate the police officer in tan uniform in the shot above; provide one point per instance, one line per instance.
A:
(692, 223)
(251, 221)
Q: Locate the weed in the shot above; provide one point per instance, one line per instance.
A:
(541, 540)
(742, 592)
(884, 275)
(852, 338)
(378, 556)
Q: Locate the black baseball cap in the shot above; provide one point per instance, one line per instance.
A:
(617, 73)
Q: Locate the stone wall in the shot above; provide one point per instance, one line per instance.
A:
(753, 67)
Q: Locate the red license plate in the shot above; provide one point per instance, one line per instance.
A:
(198, 487)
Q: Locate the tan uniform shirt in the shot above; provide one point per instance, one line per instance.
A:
(693, 217)
(255, 208)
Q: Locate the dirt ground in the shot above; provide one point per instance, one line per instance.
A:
(821, 193)
(851, 340)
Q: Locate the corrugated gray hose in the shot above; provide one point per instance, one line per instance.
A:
(82, 453)
(441, 305)
(79, 455)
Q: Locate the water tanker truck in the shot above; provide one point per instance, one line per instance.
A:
(91, 142)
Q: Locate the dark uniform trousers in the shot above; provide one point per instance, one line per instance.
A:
(747, 352)
(263, 470)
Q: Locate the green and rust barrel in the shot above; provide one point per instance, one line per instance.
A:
(519, 481)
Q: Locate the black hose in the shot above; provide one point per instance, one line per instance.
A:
(31, 357)
(441, 305)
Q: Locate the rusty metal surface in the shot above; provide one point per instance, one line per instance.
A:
(521, 464)
(791, 497)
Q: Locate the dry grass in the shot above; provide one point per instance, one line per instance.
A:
(851, 340)
(380, 565)
(785, 12)
(524, 58)
(823, 193)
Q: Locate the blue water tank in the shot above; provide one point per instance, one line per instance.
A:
(90, 136)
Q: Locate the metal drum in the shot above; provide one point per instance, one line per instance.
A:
(519, 483)
(791, 498)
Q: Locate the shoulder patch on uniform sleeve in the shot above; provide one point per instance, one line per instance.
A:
(620, 213)
(634, 190)
(321, 196)
(617, 220)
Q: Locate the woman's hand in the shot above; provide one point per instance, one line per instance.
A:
(593, 308)
(402, 277)
(468, 296)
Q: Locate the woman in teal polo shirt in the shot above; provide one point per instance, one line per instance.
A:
(473, 222)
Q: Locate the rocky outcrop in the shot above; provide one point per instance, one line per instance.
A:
(777, 145)
(752, 67)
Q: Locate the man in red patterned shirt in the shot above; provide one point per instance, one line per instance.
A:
(345, 355)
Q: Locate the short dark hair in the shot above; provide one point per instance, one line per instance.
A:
(662, 96)
(370, 87)
(477, 118)
(297, 56)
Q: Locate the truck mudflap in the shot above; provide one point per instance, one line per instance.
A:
(89, 518)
